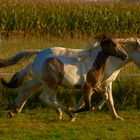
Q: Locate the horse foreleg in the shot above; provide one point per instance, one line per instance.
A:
(110, 103)
(87, 100)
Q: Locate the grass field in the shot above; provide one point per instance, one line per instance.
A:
(41, 124)
(41, 24)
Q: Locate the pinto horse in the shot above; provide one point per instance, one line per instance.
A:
(64, 71)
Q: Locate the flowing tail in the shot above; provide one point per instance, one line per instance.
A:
(18, 78)
(18, 57)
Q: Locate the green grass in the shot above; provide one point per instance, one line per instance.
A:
(32, 19)
(41, 124)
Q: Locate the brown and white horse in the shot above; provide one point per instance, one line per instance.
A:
(94, 78)
(53, 70)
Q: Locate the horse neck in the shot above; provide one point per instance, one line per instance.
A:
(100, 61)
(114, 64)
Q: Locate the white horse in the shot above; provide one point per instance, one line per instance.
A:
(113, 67)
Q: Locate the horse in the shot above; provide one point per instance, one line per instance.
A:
(94, 78)
(130, 45)
(132, 48)
(35, 84)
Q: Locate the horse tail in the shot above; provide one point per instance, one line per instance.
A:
(18, 78)
(18, 57)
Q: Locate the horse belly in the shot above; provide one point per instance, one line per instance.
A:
(72, 76)
(110, 78)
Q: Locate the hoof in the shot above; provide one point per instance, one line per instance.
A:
(73, 119)
(71, 114)
(10, 114)
(93, 108)
(59, 113)
(60, 118)
(118, 118)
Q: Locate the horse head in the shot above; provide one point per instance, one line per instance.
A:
(132, 47)
(110, 47)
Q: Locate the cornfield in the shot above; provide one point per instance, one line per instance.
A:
(69, 19)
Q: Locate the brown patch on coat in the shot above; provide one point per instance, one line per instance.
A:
(53, 72)
(95, 74)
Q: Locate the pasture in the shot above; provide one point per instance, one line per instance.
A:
(41, 124)
(40, 24)
(37, 122)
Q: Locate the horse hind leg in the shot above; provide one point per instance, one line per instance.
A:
(48, 97)
(58, 111)
(26, 91)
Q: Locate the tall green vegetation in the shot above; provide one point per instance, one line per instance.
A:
(69, 19)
